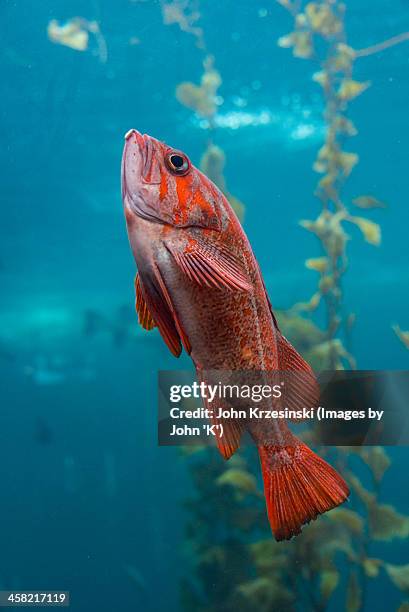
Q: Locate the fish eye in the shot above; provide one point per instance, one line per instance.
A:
(177, 163)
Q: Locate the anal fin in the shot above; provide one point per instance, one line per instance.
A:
(233, 429)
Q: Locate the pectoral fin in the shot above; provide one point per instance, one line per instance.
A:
(153, 306)
(144, 316)
(155, 309)
(209, 266)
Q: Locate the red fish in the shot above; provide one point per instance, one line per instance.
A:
(198, 281)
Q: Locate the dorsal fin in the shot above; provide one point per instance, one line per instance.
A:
(302, 388)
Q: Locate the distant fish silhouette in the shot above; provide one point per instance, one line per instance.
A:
(43, 433)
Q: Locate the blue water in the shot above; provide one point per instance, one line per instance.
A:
(88, 502)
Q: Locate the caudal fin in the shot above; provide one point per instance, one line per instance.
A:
(298, 487)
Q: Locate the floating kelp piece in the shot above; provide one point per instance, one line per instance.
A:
(201, 98)
(348, 519)
(386, 523)
(180, 12)
(399, 574)
(342, 59)
(75, 35)
(267, 556)
(402, 335)
(354, 593)
(212, 165)
(238, 479)
(71, 34)
(321, 77)
(265, 594)
(300, 42)
(367, 497)
(371, 231)
(322, 19)
(344, 126)
(350, 89)
(319, 264)
(372, 567)
(329, 580)
(301, 332)
(377, 460)
(368, 201)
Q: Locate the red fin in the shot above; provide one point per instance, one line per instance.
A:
(160, 312)
(301, 388)
(232, 432)
(232, 428)
(185, 340)
(298, 486)
(209, 266)
(144, 316)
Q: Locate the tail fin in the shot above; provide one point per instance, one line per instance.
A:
(298, 487)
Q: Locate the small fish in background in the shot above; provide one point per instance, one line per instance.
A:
(93, 322)
(53, 369)
(199, 283)
(135, 575)
(120, 326)
(96, 323)
(44, 373)
(123, 325)
(43, 434)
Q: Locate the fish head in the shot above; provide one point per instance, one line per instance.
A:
(160, 184)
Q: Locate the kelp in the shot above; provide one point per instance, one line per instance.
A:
(236, 563)
(319, 35)
(402, 335)
(201, 98)
(212, 164)
(185, 14)
(399, 574)
(75, 34)
(304, 574)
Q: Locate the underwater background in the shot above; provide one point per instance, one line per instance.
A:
(89, 502)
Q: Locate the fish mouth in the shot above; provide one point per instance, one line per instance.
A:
(137, 172)
(133, 160)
